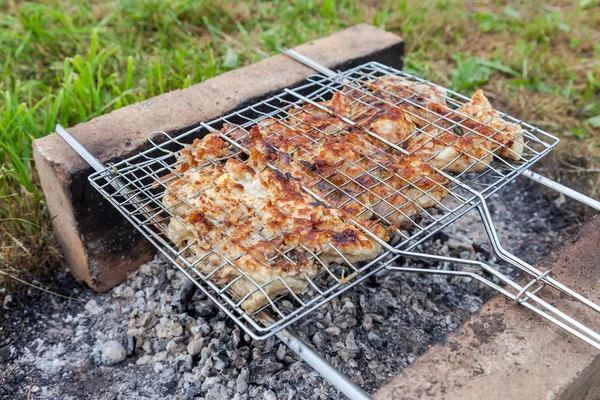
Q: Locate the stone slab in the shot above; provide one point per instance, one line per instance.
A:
(100, 246)
(507, 352)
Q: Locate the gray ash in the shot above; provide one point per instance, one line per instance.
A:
(155, 337)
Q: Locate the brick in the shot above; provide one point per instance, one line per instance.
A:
(507, 352)
(99, 246)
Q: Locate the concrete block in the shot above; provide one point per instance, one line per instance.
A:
(507, 352)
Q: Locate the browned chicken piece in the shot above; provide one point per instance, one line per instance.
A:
(397, 188)
(249, 229)
(508, 136)
(281, 144)
(372, 114)
(476, 117)
(412, 97)
(441, 149)
(473, 150)
(269, 148)
(314, 123)
(450, 152)
(483, 132)
(349, 171)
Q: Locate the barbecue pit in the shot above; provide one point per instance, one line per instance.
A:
(101, 152)
(131, 186)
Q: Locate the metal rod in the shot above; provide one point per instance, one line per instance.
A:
(529, 174)
(329, 372)
(590, 340)
(303, 350)
(562, 189)
(564, 321)
(86, 155)
(516, 261)
(309, 62)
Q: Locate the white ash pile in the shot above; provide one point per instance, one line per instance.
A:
(154, 336)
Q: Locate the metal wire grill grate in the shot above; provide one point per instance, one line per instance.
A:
(431, 123)
(297, 128)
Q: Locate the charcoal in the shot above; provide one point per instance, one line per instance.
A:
(182, 346)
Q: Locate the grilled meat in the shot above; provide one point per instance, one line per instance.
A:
(256, 229)
(263, 226)
(482, 132)
(441, 148)
(349, 170)
(507, 136)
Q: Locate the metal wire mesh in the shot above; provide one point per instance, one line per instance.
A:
(299, 124)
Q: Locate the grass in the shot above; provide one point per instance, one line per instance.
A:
(68, 62)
